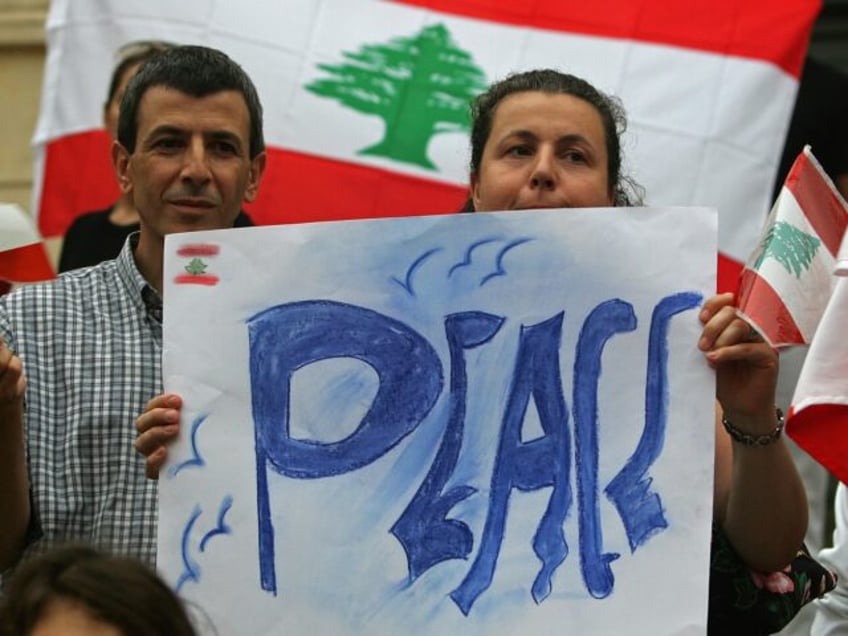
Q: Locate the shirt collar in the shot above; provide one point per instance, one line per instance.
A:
(142, 293)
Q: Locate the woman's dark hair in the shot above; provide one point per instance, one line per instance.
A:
(129, 55)
(194, 70)
(625, 190)
(119, 591)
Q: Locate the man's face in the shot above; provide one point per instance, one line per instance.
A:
(191, 168)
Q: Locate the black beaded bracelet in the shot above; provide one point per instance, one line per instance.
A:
(755, 440)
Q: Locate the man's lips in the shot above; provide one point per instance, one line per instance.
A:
(192, 203)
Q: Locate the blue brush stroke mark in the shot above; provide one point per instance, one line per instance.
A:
(222, 527)
(288, 337)
(499, 268)
(641, 510)
(192, 569)
(528, 466)
(605, 321)
(416, 264)
(196, 459)
(466, 261)
(426, 532)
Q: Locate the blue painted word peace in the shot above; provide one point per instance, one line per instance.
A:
(288, 337)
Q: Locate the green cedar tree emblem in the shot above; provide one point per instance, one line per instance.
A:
(419, 86)
(196, 267)
(789, 246)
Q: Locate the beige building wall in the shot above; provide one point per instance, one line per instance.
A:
(22, 51)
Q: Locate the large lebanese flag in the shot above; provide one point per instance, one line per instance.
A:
(365, 100)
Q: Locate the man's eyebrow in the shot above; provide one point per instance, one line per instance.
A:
(166, 129)
(225, 135)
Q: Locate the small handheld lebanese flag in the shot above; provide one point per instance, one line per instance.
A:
(23, 258)
(788, 281)
(795, 291)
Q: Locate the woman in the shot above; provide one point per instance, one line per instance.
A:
(77, 590)
(544, 139)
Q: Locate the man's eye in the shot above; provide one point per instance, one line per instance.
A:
(168, 143)
(224, 148)
(519, 151)
(575, 156)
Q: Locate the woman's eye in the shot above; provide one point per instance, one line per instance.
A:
(575, 156)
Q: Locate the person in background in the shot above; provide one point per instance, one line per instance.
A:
(98, 236)
(78, 591)
(80, 356)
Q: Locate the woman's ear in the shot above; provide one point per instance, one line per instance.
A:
(474, 196)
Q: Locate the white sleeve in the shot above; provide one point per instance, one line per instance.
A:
(831, 616)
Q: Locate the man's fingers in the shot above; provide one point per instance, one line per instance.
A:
(164, 401)
(12, 379)
(152, 438)
(155, 462)
(156, 418)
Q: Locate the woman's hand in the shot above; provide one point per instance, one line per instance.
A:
(746, 366)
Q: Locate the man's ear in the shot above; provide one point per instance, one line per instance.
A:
(121, 164)
(257, 169)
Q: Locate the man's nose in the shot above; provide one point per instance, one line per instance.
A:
(196, 164)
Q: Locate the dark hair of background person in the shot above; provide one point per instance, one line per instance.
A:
(820, 119)
(131, 55)
(626, 191)
(119, 591)
(194, 70)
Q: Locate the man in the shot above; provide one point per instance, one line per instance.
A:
(80, 356)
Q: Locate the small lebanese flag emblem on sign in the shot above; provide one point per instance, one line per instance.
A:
(197, 264)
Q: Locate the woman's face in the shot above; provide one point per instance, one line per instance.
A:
(544, 151)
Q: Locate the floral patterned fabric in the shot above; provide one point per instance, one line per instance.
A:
(744, 602)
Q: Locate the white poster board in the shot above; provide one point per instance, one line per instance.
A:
(469, 424)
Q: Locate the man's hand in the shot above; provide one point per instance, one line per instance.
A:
(12, 379)
(157, 427)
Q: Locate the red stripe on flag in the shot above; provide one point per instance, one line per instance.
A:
(26, 264)
(728, 274)
(775, 32)
(299, 188)
(78, 177)
(819, 202)
(296, 188)
(766, 309)
(822, 431)
(199, 249)
(196, 279)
